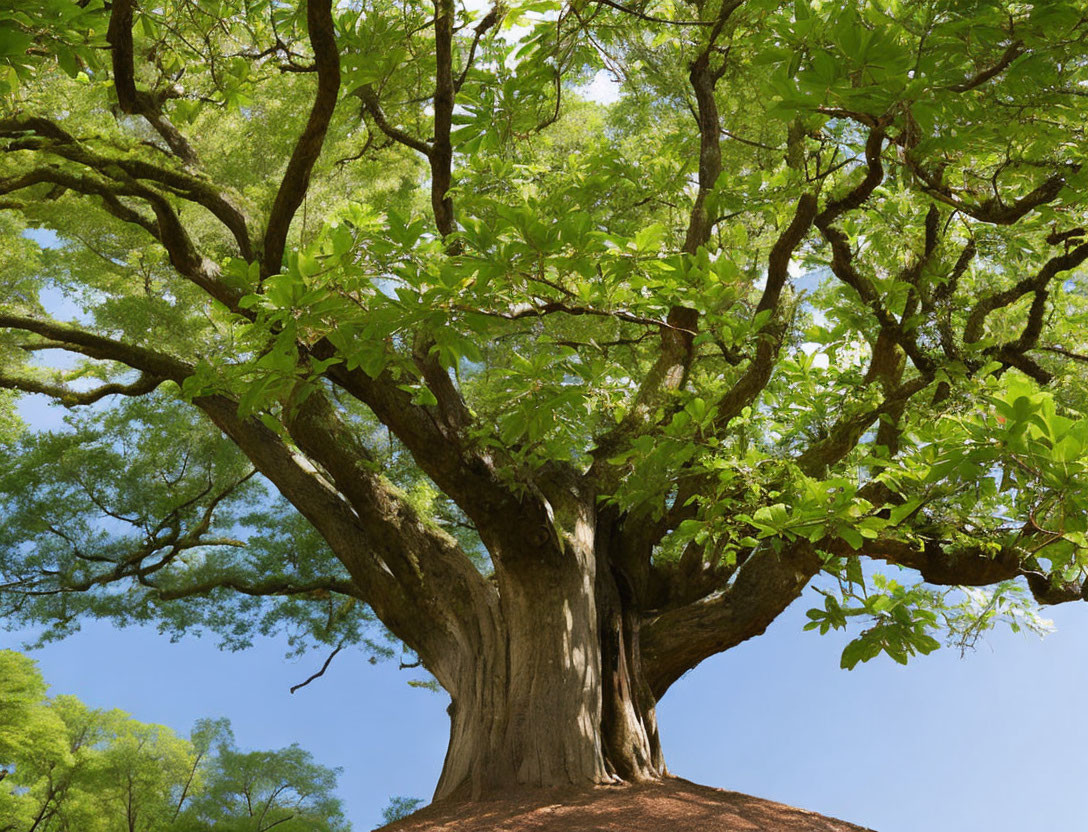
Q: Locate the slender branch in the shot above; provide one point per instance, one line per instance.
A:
(154, 364)
(166, 227)
(445, 91)
(321, 672)
(1014, 51)
(1035, 283)
(370, 102)
(650, 18)
(703, 79)
(267, 588)
(70, 398)
(521, 311)
(489, 22)
(730, 135)
(193, 187)
(85, 184)
(842, 264)
(745, 390)
(1076, 356)
(874, 175)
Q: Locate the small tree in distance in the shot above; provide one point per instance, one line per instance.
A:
(400, 807)
(72, 767)
(364, 312)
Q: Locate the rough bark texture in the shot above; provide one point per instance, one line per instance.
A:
(555, 696)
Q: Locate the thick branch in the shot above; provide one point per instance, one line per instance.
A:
(441, 156)
(296, 179)
(154, 364)
(130, 99)
(674, 641)
(448, 597)
(994, 211)
(940, 564)
(468, 473)
(398, 563)
(320, 502)
(848, 430)
(407, 545)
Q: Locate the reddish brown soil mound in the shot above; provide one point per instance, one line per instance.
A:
(672, 806)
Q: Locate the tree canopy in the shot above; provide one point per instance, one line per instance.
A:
(67, 767)
(377, 325)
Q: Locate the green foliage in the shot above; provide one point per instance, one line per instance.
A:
(548, 304)
(71, 767)
(285, 789)
(122, 489)
(69, 34)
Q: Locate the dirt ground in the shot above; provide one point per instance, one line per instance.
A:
(671, 806)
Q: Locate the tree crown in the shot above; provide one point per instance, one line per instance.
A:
(807, 292)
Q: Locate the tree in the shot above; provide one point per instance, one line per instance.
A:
(400, 807)
(380, 316)
(102, 771)
(259, 790)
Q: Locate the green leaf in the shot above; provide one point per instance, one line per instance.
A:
(649, 239)
(901, 512)
(852, 537)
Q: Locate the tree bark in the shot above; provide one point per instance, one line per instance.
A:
(555, 697)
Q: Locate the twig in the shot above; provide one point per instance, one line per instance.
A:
(651, 19)
(321, 672)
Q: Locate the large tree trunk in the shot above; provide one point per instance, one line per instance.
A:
(556, 696)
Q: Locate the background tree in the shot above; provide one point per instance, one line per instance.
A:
(102, 771)
(259, 790)
(400, 807)
(568, 397)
